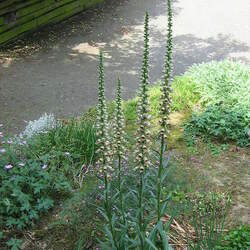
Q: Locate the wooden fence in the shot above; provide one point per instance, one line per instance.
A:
(20, 16)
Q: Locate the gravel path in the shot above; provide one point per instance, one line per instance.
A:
(55, 69)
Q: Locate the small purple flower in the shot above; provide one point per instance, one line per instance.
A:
(9, 166)
(2, 150)
(44, 166)
(9, 141)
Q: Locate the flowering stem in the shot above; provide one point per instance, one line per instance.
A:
(143, 132)
(165, 108)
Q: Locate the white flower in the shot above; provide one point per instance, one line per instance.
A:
(1, 134)
(67, 153)
(2, 150)
(9, 166)
(21, 164)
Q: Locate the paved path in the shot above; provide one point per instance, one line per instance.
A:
(55, 70)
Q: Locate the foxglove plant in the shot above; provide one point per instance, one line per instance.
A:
(142, 150)
(104, 149)
(136, 228)
(103, 142)
(119, 142)
(165, 108)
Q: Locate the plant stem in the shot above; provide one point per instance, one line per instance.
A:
(107, 206)
(140, 219)
(159, 183)
(120, 189)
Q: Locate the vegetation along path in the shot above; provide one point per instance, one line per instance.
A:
(54, 70)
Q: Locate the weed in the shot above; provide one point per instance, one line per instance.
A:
(209, 213)
(237, 239)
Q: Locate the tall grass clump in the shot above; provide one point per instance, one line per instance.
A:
(209, 212)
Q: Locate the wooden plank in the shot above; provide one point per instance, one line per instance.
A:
(50, 6)
(7, 3)
(1, 21)
(69, 13)
(55, 15)
(16, 6)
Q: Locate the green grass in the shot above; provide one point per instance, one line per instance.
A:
(73, 141)
(185, 94)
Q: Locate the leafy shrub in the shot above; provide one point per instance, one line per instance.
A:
(225, 83)
(236, 239)
(220, 123)
(224, 94)
(43, 124)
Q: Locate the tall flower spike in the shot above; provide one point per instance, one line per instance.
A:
(103, 141)
(166, 86)
(119, 141)
(143, 132)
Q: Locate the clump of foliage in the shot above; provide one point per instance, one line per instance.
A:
(221, 123)
(43, 124)
(237, 239)
(184, 96)
(26, 192)
(223, 88)
(38, 170)
(224, 83)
